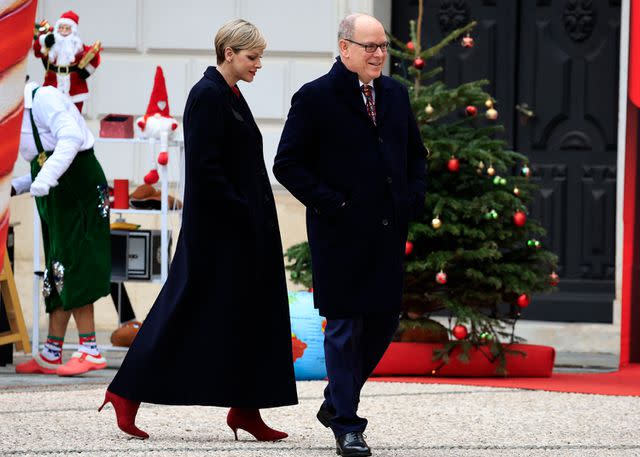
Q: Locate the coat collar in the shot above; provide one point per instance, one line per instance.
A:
(348, 84)
(214, 75)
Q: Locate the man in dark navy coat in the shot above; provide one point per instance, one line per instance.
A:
(352, 154)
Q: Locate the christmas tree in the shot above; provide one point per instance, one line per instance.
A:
(474, 257)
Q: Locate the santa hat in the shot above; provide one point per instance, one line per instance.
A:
(159, 101)
(69, 18)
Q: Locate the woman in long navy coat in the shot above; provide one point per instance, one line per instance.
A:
(219, 332)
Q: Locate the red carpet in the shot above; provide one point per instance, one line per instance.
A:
(623, 382)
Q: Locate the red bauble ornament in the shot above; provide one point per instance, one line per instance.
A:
(523, 301)
(410, 46)
(471, 111)
(152, 177)
(441, 278)
(554, 279)
(453, 165)
(460, 332)
(163, 158)
(519, 218)
(468, 42)
(408, 248)
(418, 63)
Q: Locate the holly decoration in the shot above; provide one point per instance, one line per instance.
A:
(554, 279)
(441, 277)
(418, 63)
(460, 332)
(519, 218)
(408, 247)
(471, 111)
(453, 165)
(436, 223)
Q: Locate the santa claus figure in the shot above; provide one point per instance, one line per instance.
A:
(157, 123)
(67, 61)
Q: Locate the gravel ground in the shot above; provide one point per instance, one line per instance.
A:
(409, 420)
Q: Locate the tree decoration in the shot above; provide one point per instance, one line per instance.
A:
(516, 191)
(534, 244)
(526, 171)
(491, 171)
(436, 223)
(523, 301)
(429, 109)
(418, 63)
(411, 46)
(499, 181)
(519, 218)
(493, 214)
(453, 165)
(467, 41)
(488, 103)
(491, 114)
(441, 277)
(163, 158)
(408, 248)
(554, 279)
(460, 332)
(471, 111)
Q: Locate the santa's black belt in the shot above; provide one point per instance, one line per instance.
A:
(62, 69)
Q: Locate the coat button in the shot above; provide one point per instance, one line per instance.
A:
(389, 179)
(385, 222)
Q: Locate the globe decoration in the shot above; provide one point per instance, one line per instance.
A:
(307, 337)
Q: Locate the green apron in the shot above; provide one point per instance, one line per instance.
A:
(75, 231)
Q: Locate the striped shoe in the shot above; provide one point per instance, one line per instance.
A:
(80, 363)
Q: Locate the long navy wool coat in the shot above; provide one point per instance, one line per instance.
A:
(331, 152)
(219, 332)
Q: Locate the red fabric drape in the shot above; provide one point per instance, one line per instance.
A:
(634, 53)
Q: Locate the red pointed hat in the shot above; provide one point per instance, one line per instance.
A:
(159, 101)
(70, 15)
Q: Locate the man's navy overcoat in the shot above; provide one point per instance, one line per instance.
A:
(361, 183)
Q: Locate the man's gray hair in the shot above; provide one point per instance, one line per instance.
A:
(347, 26)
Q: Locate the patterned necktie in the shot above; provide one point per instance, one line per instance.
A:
(371, 105)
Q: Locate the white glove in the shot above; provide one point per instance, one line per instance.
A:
(39, 189)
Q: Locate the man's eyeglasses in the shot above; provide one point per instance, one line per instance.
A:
(371, 47)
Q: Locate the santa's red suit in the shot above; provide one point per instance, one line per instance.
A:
(64, 72)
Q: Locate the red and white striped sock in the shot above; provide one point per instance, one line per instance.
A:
(52, 351)
(88, 344)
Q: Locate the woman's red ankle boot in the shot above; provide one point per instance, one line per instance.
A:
(250, 421)
(126, 411)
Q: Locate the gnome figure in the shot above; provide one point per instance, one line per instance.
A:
(67, 61)
(158, 124)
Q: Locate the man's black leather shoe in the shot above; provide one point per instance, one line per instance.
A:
(324, 415)
(352, 445)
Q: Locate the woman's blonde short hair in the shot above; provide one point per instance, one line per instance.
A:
(238, 35)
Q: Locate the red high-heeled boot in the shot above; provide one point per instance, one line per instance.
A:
(250, 420)
(126, 411)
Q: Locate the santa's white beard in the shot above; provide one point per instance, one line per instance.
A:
(64, 50)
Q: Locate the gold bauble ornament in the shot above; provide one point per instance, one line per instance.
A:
(436, 223)
(491, 171)
(488, 103)
(516, 191)
(429, 109)
(491, 114)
